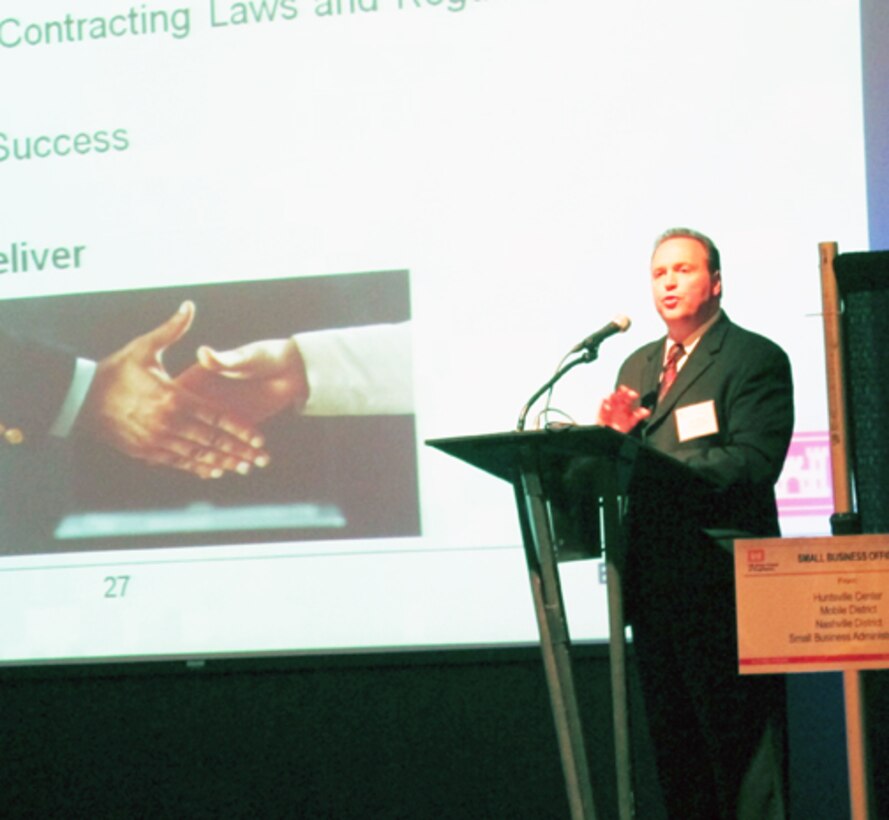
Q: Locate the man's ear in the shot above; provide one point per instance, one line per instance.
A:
(716, 283)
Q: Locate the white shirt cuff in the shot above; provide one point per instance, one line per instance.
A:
(84, 370)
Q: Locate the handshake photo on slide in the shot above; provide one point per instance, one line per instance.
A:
(295, 394)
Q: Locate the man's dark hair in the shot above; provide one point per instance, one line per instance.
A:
(713, 264)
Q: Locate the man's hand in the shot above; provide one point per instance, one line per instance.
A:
(621, 411)
(255, 381)
(135, 407)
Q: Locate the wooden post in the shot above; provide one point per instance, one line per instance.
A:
(856, 735)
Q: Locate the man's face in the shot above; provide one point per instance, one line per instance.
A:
(685, 293)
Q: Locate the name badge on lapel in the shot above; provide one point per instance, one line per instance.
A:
(696, 420)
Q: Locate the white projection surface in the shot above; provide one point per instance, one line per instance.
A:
(487, 174)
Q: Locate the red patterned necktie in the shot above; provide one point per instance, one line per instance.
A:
(677, 351)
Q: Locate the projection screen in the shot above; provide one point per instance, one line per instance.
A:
(459, 189)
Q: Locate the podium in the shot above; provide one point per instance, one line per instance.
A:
(572, 485)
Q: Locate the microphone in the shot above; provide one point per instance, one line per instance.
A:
(590, 349)
(618, 324)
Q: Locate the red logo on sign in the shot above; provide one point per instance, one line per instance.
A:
(756, 556)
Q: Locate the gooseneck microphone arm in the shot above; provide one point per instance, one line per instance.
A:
(588, 350)
(586, 356)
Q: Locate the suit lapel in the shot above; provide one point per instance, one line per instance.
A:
(651, 375)
(700, 360)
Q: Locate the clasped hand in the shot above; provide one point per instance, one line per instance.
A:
(134, 406)
(255, 381)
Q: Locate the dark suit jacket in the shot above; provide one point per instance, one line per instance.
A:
(729, 416)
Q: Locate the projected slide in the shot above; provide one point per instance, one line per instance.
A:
(351, 474)
(475, 184)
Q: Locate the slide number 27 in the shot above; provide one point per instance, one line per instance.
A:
(116, 585)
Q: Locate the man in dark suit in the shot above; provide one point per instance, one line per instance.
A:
(719, 399)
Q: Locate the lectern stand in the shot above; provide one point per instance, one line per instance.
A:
(571, 487)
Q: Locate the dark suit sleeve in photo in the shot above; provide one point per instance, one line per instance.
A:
(728, 416)
(34, 380)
